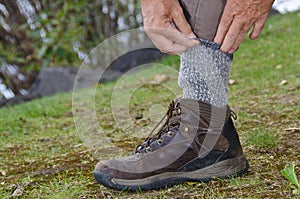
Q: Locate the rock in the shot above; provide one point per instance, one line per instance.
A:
(53, 80)
(61, 79)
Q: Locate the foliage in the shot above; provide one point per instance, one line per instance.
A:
(289, 173)
(35, 33)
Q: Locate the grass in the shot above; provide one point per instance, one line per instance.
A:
(261, 139)
(42, 155)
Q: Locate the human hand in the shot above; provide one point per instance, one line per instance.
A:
(237, 19)
(166, 25)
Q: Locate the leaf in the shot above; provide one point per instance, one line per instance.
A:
(20, 60)
(283, 82)
(18, 191)
(42, 51)
(232, 82)
(191, 183)
(46, 62)
(70, 57)
(60, 53)
(289, 173)
(293, 130)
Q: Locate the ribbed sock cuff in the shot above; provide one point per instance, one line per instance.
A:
(204, 73)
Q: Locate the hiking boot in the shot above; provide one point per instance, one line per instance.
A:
(196, 142)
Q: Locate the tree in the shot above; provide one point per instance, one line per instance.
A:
(40, 33)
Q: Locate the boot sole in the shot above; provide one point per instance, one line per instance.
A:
(224, 169)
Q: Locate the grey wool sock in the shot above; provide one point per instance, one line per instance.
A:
(204, 73)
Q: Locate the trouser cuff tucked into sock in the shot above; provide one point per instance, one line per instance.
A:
(204, 73)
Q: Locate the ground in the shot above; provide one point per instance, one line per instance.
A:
(42, 155)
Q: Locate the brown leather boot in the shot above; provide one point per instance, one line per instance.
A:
(197, 142)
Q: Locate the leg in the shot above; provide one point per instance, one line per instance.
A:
(204, 71)
(197, 141)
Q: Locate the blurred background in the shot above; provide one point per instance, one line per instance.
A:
(49, 39)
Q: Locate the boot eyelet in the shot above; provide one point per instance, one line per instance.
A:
(139, 148)
(170, 134)
(186, 129)
(159, 141)
(178, 111)
(148, 149)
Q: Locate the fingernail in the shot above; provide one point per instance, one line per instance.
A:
(231, 51)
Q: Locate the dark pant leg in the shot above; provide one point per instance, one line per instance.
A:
(204, 16)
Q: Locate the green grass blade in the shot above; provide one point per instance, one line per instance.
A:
(289, 173)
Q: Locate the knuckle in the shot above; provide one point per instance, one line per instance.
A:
(231, 36)
(168, 49)
(244, 32)
(224, 26)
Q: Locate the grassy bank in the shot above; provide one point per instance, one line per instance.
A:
(42, 155)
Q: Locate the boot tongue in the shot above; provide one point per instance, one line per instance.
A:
(174, 121)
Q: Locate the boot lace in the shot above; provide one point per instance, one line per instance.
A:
(171, 120)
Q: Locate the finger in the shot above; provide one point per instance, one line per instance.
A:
(224, 25)
(182, 39)
(240, 38)
(182, 25)
(231, 36)
(165, 45)
(237, 43)
(258, 27)
(191, 35)
(175, 35)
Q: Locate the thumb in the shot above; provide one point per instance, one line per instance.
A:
(182, 25)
